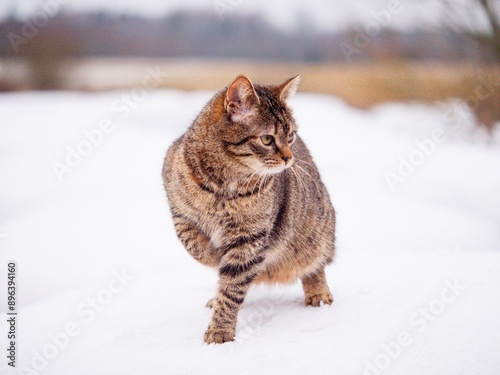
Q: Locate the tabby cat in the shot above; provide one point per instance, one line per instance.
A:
(246, 199)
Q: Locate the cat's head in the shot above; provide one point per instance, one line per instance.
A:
(259, 129)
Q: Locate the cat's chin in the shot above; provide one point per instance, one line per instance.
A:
(275, 170)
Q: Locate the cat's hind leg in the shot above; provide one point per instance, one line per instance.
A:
(316, 289)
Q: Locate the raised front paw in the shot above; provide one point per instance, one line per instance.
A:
(218, 336)
(316, 299)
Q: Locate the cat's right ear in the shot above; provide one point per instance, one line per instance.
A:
(241, 99)
(288, 88)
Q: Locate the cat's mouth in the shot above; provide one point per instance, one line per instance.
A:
(269, 168)
(277, 168)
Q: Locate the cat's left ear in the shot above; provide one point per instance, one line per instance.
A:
(241, 99)
(288, 88)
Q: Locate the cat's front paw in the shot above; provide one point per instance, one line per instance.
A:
(218, 336)
(316, 299)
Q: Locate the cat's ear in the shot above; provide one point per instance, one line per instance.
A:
(288, 88)
(241, 99)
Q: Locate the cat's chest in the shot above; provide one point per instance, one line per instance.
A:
(228, 212)
(223, 219)
(232, 205)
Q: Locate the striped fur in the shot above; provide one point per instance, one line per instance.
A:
(254, 212)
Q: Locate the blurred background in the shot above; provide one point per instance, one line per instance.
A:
(365, 51)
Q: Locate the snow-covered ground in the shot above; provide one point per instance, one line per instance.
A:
(106, 288)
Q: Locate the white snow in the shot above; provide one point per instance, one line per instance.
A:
(417, 272)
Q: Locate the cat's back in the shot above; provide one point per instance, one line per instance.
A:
(171, 161)
(174, 170)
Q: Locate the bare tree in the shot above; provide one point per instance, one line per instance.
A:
(48, 56)
(479, 19)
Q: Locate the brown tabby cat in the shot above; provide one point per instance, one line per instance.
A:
(247, 199)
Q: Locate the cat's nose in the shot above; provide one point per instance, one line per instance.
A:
(286, 154)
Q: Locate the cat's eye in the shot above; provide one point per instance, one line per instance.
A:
(291, 137)
(267, 139)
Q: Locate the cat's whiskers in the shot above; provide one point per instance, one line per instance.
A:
(309, 175)
(261, 170)
(246, 181)
(305, 162)
(263, 182)
(305, 171)
(258, 174)
(299, 179)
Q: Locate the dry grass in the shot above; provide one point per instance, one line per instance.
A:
(361, 85)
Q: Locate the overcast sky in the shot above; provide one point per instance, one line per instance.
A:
(324, 14)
